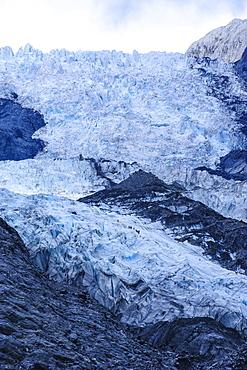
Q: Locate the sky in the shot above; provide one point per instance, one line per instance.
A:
(122, 25)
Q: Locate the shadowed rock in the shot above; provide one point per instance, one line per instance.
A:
(17, 125)
(232, 166)
(47, 325)
(198, 341)
(241, 66)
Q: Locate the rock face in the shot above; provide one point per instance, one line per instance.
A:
(199, 342)
(48, 326)
(232, 166)
(17, 126)
(241, 66)
(226, 43)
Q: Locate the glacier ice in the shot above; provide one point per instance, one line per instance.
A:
(108, 114)
(128, 264)
(119, 107)
(164, 112)
(70, 177)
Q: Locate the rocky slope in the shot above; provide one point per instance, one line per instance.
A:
(48, 326)
(226, 43)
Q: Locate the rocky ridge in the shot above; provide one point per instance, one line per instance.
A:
(187, 220)
(17, 125)
(226, 43)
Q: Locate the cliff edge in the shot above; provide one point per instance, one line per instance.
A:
(226, 43)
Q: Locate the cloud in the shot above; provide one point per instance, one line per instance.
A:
(168, 25)
(120, 12)
(144, 25)
(236, 7)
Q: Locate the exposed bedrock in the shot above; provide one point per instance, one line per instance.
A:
(46, 325)
(199, 341)
(231, 166)
(17, 125)
(224, 239)
(234, 164)
(110, 172)
(226, 43)
(241, 66)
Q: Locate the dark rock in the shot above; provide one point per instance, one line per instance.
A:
(110, 171)
(17, 125)
(235, 162)
(6, 329)
(98, 169)
(231, 166)
(45, 325)
(147, 196)
(190, 336)
(241, 66)
(198, 341)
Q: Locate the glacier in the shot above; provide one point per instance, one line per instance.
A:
(127, 263)
(55, 325)
(159, 112)
(121, 97)
(107, 116)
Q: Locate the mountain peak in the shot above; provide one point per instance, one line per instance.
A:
(226, 43)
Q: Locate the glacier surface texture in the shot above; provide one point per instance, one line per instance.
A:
(154, 148)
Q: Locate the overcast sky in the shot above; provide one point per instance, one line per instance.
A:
(127, 25)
